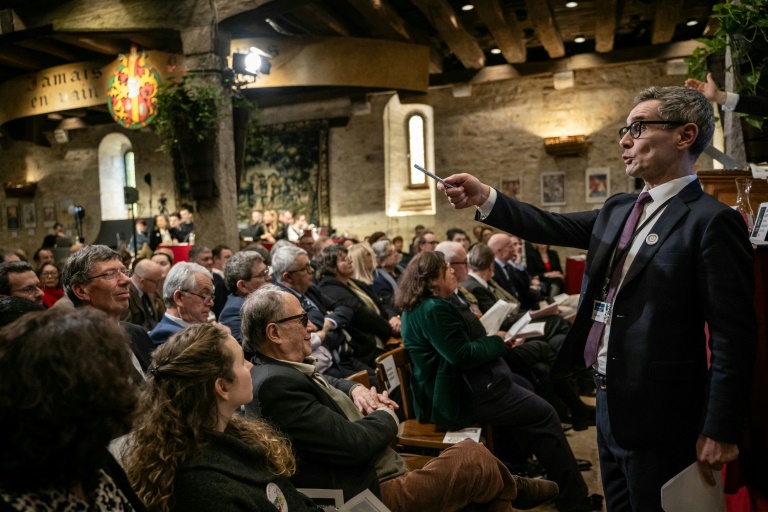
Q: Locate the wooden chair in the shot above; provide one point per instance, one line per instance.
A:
(412, 432)
(361, 377)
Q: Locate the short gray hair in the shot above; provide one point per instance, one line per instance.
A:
(80, 265)
(481, 257)
(262, 307)
(449, 249)
(181, 277)
(279, 245)
(284, 260)
(239, 267)
(683, 105)
(380, 248)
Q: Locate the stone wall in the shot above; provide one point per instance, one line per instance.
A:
(71, 172)
(495, 133)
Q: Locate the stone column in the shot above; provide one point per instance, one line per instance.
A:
(216, 218)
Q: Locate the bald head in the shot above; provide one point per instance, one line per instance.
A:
(502, 246)
(147, 275)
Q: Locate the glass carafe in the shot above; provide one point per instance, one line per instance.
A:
(743, 206)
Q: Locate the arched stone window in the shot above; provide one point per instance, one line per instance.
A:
(416, 133)
(113, 175)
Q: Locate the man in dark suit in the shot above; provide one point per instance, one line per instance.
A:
(755, 105)
(188, 296)
(145, 307)
(244, 272)
(203, 256)
(95, 276)
(341, 431)
(660, 266)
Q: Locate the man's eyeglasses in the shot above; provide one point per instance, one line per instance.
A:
(28, 290)
(636, 129)
(308, 268)
(205, 298)
(263, 273)
(303, 318)
(112, 274)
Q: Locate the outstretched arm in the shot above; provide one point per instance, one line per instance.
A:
(468, 191)
(708, 89)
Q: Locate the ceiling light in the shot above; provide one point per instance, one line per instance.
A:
(571, 5)
(495, 51)
(692, 22)
(467, 7)
(579, 39)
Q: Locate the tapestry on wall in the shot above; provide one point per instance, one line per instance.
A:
(288, 170)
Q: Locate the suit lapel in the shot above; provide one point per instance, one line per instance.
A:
(608, 241)
(669, 218)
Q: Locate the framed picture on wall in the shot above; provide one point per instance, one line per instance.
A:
(13, 217)
(512, 186)
(597, 184)
(49, 216)
(553, 189)
(30, 215)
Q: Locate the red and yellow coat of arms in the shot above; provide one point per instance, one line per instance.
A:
(133, 90)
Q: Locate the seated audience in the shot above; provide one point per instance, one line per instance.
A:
(165, 260)
(162, 233)
(188, 297)
(376, 236)
(397, 243)
(18, 279)
(189, 450)
(13, 308)
(342, 431)
(203, 256)
(458, 235)
(296, 228)
(307, 242)
(459, 380)
(185, 227)
(513, 279)
(136, 245)
(386, 275)
(65, 392)
(363, 265)
(369, 327)
(244, 272)
(95, 277)
(544, 263)
(221, 254)
(52, 240)
(49, 277)
(43, 255)
(145, 305)
(270, 230)
(293, 273)
(486, 235)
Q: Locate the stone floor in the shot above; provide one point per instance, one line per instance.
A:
(584, 446)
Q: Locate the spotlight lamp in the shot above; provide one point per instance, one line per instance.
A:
(256, 62)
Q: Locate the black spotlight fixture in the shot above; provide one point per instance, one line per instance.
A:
(256, 62)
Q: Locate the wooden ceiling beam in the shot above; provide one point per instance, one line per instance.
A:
(26, 60)
(96, 43)
(506, 32)
(444, 19)
(51, 48)
(318, 21)
(605, 24)
(540, 16)
(666, 15)
(383, 19)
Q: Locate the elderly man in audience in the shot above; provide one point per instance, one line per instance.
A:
(145, 307)
(243, 273)
(341, 431)
(203, 256)
(95, 277)
(188, 297)
(293, 273)
(510, 274)
(386, 274)
(18, 279)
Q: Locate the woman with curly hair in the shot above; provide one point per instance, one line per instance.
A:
(65, 392)
(189, 451)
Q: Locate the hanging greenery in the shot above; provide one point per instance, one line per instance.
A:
(187, 110)
(742, 27)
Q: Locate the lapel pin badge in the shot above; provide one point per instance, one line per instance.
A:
(652, 239)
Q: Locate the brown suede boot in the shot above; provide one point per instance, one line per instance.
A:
(532, 492)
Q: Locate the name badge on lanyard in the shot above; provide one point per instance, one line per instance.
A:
(601, 312)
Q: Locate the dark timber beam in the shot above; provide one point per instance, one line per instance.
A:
(383, 19)
(666, 15)
(540, 15)
(605, 24)
(318, 21)
(442, 16)
(505, 31)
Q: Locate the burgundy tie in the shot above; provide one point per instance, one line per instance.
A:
(596, 332)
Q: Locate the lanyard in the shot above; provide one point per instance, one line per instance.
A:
(620, 255)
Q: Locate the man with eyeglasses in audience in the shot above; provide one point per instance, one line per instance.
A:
(205, 257)
(188, 296)
(18, 279)
(244, 273)
(145, 307)
(95, 277)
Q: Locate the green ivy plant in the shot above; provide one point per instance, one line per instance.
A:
(744, 28)
(187, 109)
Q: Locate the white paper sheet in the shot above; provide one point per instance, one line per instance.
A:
(688, 492)
(391, 370)
(457, 436)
